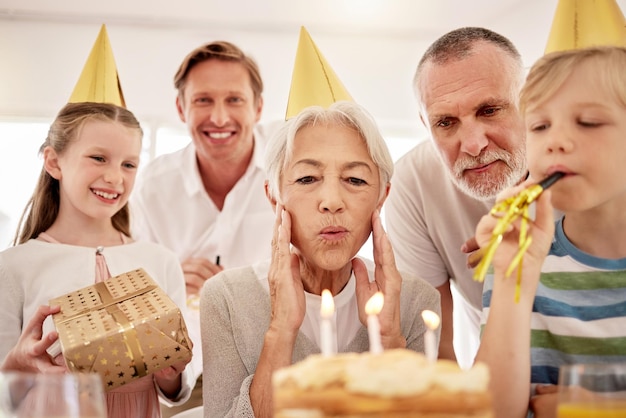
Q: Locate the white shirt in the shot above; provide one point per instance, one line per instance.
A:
(5, 236)
(345, 320)
(428, 218)
(170, 206)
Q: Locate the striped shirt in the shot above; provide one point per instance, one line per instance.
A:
(579, 312)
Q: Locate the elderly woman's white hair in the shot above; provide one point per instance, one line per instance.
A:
(343, 113)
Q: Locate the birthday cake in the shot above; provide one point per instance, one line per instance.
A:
(397, 383)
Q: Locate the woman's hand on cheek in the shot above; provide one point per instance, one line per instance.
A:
(364, 288)
(387, 279)
(286, 290)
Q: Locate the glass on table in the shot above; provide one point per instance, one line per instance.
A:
(592, 390)
(69, 395)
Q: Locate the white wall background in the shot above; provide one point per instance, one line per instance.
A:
(41, 62)
(373, 45)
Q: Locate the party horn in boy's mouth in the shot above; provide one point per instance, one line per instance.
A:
(508, 211)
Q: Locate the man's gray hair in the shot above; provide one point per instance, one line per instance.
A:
(459, 44)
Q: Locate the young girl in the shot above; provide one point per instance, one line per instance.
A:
(572, 306)
(76, 232)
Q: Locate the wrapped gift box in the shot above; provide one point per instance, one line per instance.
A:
(122, 328)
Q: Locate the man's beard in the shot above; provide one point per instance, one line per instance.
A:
(487, 188)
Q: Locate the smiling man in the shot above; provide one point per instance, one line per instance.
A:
(207, 202)
(467, 85)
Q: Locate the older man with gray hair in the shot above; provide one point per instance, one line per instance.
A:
(467, 86)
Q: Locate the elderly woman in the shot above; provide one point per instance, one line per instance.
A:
(329, 174)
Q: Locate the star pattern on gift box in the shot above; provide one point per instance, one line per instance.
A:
(119, 324)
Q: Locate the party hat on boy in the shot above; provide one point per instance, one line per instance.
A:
(99, 81)
(313, 83)
(583, 23)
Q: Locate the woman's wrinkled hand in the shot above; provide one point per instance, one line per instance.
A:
(388, 280)
(287, 298)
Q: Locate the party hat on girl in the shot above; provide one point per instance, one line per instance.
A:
(99, 81)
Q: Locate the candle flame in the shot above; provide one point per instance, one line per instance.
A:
(328, 304)
(431, 319)
(375, 304)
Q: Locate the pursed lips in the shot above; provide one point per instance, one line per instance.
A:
(333, 233)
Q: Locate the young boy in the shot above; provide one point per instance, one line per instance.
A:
(572, 305)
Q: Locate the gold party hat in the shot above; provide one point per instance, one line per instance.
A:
(313, 83)
(99, 81)
(584, 23)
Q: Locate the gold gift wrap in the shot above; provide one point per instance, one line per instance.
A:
(123, 328)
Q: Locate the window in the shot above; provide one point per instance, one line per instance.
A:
(170, 140)
(20, 165)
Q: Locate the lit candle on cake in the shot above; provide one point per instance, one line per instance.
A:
(327, 336)
(431, 319)
(372, 308)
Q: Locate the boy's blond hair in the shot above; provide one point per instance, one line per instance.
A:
(549, 73)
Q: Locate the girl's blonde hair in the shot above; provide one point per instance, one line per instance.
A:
(549, 73)
(43, 207)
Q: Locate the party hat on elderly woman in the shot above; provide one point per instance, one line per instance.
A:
(313, 83)
(99, 81)
(584, 23)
